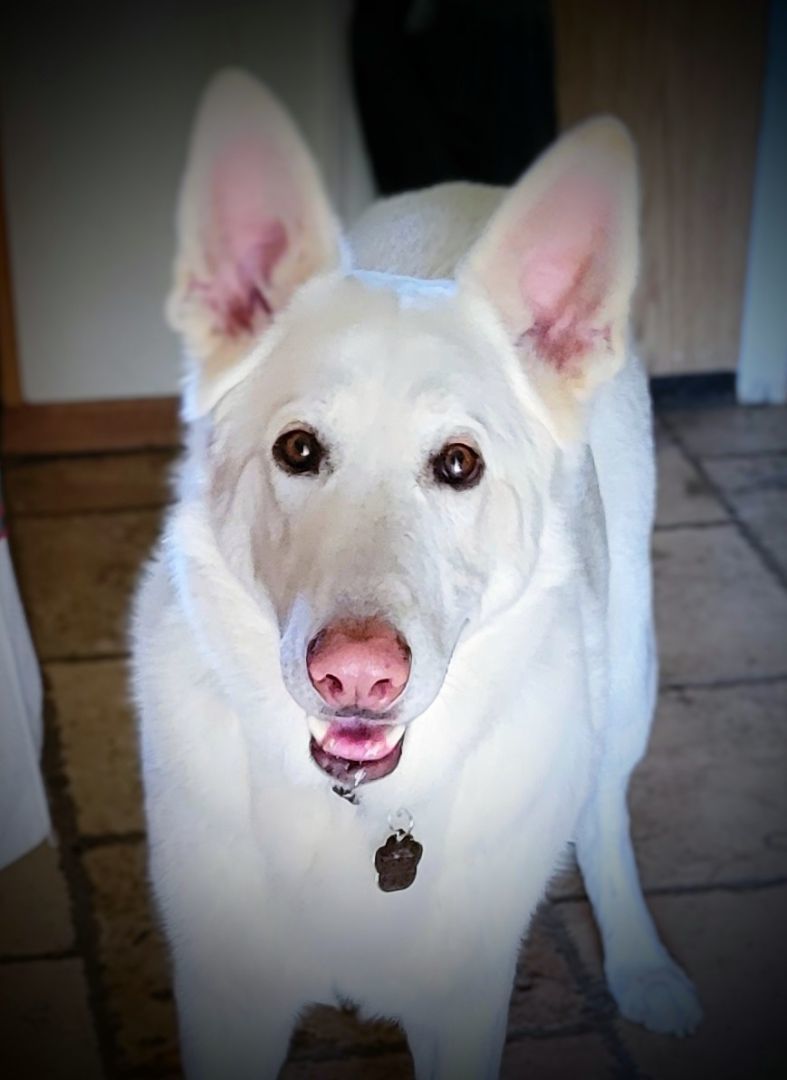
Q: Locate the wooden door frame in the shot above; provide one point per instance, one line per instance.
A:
(762, 361)
(10, 381)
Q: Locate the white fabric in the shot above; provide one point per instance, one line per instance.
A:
(24, 814)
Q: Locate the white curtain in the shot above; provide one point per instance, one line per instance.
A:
(24, 814)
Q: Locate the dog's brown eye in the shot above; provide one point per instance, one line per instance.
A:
(298, 452)
(458, 465)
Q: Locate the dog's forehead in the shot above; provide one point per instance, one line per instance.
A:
(395, 329)
(371, 350)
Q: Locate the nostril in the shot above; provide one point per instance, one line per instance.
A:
(333, 685)
(381, 690)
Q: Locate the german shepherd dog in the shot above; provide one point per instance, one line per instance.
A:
(395, 650)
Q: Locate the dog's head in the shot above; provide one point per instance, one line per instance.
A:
(376, 452)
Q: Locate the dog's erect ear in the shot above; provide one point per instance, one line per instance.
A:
(253, 224)
(559, 261)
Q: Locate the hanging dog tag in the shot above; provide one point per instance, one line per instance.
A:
(396, 862)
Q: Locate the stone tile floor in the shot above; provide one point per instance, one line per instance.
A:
(84, 981)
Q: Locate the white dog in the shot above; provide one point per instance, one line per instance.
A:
(402, 607)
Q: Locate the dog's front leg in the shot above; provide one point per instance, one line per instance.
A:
(233, 1026)
(460, 1037)
(236, 988)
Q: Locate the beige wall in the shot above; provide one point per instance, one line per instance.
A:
(96, 104)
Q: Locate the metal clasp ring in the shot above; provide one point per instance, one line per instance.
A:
(400, 815)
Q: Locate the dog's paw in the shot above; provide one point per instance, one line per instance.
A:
(659, 996)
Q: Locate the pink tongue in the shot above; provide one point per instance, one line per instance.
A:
(358, 742)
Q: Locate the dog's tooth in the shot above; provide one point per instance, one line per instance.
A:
(318, 729)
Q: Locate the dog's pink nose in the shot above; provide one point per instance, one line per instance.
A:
(360, 664)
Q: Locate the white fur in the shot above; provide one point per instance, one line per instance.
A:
(527, 605)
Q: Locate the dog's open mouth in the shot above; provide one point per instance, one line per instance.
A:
(353, 751)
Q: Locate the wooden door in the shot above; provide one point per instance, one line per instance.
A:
(686, 76)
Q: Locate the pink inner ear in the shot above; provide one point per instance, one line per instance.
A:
(237, 292)
(564, 279)
(565, 297)
(242, 242)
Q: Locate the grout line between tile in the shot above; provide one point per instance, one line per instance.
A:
(739, 885)
(33, 958)
(724, 684)
(85, 511)
(86, 931)
(542, 1034)
(678, 526)
(735, 886)
(598, 1001)
(89, 658)
(746, 532)
(89, 842)
(329, 1052)
(731, 455)
(17, 461)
